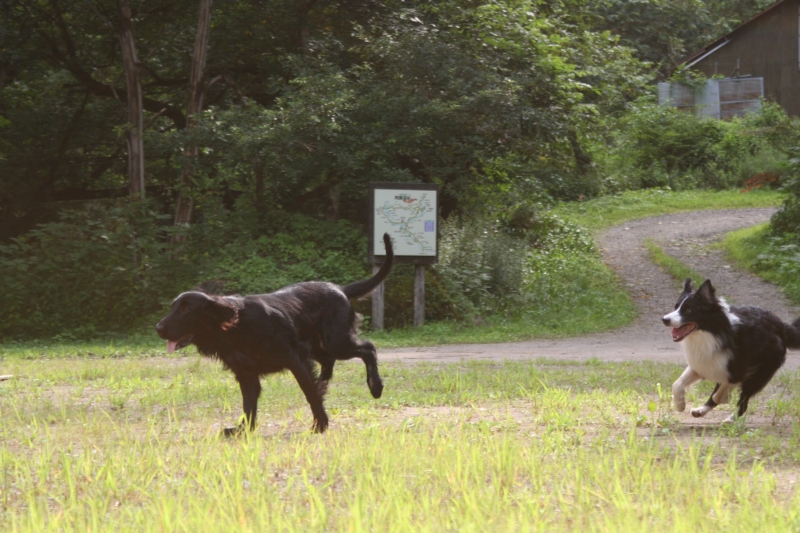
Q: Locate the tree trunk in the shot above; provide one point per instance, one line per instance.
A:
(185, 205)
(134, 137)
(303, 32)
(583, 160)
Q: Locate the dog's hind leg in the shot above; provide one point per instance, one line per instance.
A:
(369, 355)
(341, 348)
(687, 379)
(752, 385)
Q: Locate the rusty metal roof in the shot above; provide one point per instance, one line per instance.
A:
(719, 43)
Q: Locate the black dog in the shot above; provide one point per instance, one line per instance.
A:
(727, 345)
(284, 330)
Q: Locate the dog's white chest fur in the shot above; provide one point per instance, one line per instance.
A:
(705, 356)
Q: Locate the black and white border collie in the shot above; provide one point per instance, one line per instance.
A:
(730, 346)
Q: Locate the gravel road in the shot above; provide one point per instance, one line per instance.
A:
(686, 236)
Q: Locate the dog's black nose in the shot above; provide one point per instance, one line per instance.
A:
(666, 321)
(159, 328)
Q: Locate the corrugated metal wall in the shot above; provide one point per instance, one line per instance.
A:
(726, 98)
(767, 47)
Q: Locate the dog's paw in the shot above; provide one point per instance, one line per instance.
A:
(680, 403)
(699, 412)
(730, 420)
(233, 432)
(320, 424)
(375, 387)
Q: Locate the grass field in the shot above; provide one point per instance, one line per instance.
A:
(131, 444)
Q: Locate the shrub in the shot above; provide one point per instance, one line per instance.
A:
(97, 269)
(108, 268)
(660, 146)
(786, 222)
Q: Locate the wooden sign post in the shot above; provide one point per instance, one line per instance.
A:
(408, 213)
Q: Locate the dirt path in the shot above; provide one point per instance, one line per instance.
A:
(686, 236)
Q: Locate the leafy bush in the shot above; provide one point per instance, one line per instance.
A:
(95, 270)
(786, 222)
(110, 268)
(482, 262)
(660, 146)
(289, 249)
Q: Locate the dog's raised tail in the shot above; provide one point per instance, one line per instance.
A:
(793, 335)
(362, 288)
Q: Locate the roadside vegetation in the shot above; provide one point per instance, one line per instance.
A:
(676, 268)
(774, 258)
(773, 251)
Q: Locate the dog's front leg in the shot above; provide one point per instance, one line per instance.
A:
(251, 390)
(687, 379)
(718, 396)
(310, 389)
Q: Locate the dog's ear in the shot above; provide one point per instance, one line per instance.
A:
(222, 313)
(687, 286)
(706, 290)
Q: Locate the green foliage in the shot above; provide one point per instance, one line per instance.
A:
(297, 249)
(775, 258)
(665, 32)
(786, 222)
(89, 273)
(109, 269)
(660, 146)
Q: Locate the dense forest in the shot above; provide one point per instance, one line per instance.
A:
(151, 146)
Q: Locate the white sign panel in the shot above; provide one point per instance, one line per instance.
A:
(409, 217)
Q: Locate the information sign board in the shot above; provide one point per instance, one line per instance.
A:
(407, 212)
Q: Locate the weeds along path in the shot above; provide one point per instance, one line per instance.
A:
(686, 236)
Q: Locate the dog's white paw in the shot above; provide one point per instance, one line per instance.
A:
(731, 419)
(699, 412)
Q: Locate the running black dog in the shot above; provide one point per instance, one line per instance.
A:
(731, 346)
(288, 329)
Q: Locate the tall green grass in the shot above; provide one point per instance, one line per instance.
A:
(775, 259)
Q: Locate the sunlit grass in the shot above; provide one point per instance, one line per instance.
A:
(675, 267)
(132, 445)
(751, 248)
(608, 211)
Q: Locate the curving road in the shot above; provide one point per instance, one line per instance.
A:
(686, 236)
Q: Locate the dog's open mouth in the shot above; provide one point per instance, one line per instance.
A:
(678, 334)
(183, 342)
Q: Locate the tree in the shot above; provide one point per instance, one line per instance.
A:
(185, 203)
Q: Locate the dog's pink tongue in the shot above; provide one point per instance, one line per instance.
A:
(171, 346)
(679, 333)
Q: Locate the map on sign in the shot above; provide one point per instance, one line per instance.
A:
(409, 217)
